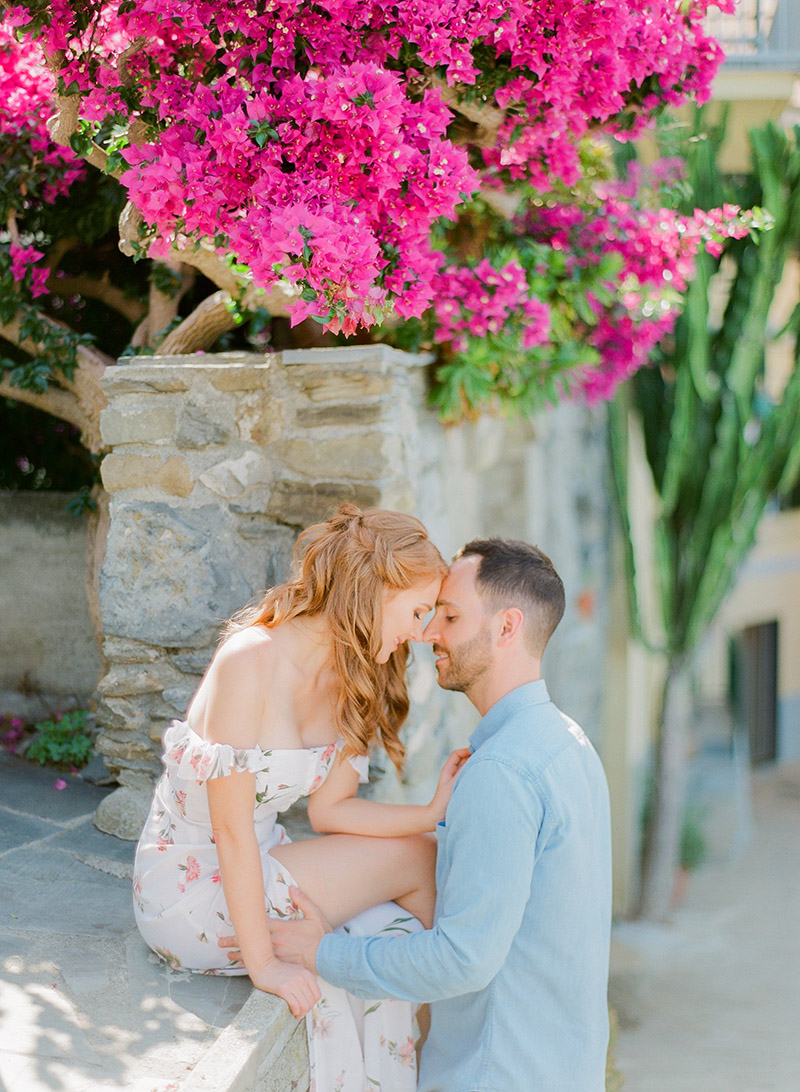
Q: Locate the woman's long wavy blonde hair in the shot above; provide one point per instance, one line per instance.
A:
(341, 569)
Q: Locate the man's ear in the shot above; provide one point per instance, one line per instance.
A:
(511, 622)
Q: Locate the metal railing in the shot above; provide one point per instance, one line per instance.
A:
(760, 33)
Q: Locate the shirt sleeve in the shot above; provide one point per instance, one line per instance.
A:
(488, 848)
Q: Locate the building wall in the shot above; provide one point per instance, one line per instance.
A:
(47, 641)
(767, 590)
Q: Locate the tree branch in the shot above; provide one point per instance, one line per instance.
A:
(199, 330)
(205, 260)
(55, 401)
(64, 123)
(161, 310)
(60, 247)
(485, 117)
(99, 288)
(84, 386)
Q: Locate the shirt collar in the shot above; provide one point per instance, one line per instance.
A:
(532, 693)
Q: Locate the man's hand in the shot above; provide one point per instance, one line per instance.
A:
(297, 941)
(293, 941)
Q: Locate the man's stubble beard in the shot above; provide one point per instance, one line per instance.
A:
(466, 663)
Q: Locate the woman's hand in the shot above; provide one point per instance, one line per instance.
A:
(297, 986)
(447, 779)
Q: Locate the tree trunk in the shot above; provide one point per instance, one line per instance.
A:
(661, 836)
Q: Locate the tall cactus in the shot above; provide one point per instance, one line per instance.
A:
(718, 450)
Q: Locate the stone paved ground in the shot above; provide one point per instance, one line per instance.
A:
(84, 1007)
(711, 1003)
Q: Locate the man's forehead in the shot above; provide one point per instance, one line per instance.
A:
(459, 584)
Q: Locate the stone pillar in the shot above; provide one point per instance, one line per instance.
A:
(215, 463)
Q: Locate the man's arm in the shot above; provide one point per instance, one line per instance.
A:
(488, 849)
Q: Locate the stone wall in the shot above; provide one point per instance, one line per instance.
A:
(216, 462)
(49, 657)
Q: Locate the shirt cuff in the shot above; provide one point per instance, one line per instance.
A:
(331, 958)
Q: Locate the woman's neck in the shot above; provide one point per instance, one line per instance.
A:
(309, 637)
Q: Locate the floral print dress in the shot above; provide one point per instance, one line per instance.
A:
(180, 908)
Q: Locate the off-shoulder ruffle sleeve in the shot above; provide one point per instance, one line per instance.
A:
(360, 763)
(191, 758)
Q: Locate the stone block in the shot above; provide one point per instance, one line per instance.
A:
(156, 729)
(233, 477)
(123, 471)
(302, 503)
(243, 377)
(345, 414)
(138, 424)
(177, 698)
(262, 1041)
(123, 380)
(113, 749)
(123, 813)
(170, 576)
(261, 420)
(141, 775)
(199, 426)
(373, 357)
(121, 715)
(193, 662)
(280, 549)
(256, 527)
(175, 477)
(127, 680)
(119, 651)
(360, 455)
(325, 384)
(253, 502)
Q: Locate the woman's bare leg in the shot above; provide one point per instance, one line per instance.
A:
(347, 873)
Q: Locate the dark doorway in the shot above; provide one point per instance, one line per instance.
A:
(754, 688)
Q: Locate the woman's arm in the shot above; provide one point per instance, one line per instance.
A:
(335, 809)
(233, 715)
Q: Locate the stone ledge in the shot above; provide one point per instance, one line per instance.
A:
(360, 355)
(263, 1049)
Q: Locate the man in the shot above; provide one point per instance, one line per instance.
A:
(516, 963)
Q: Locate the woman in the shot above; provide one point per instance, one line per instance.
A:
(299, 689)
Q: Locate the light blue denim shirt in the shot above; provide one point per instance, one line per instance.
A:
(517, 959)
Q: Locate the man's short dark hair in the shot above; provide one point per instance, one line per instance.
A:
(516, 574)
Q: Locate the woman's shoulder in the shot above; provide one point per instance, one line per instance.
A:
(229, 706)
(247, 644)
(247, 656)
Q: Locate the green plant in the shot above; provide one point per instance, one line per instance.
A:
(63, 742)
(693, 846)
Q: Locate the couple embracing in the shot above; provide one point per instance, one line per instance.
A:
(501, 921)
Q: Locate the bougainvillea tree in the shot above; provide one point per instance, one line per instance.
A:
(413, 171)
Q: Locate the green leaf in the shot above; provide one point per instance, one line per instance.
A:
(81, 143)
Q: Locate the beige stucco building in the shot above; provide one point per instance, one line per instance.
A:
(748, 666)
